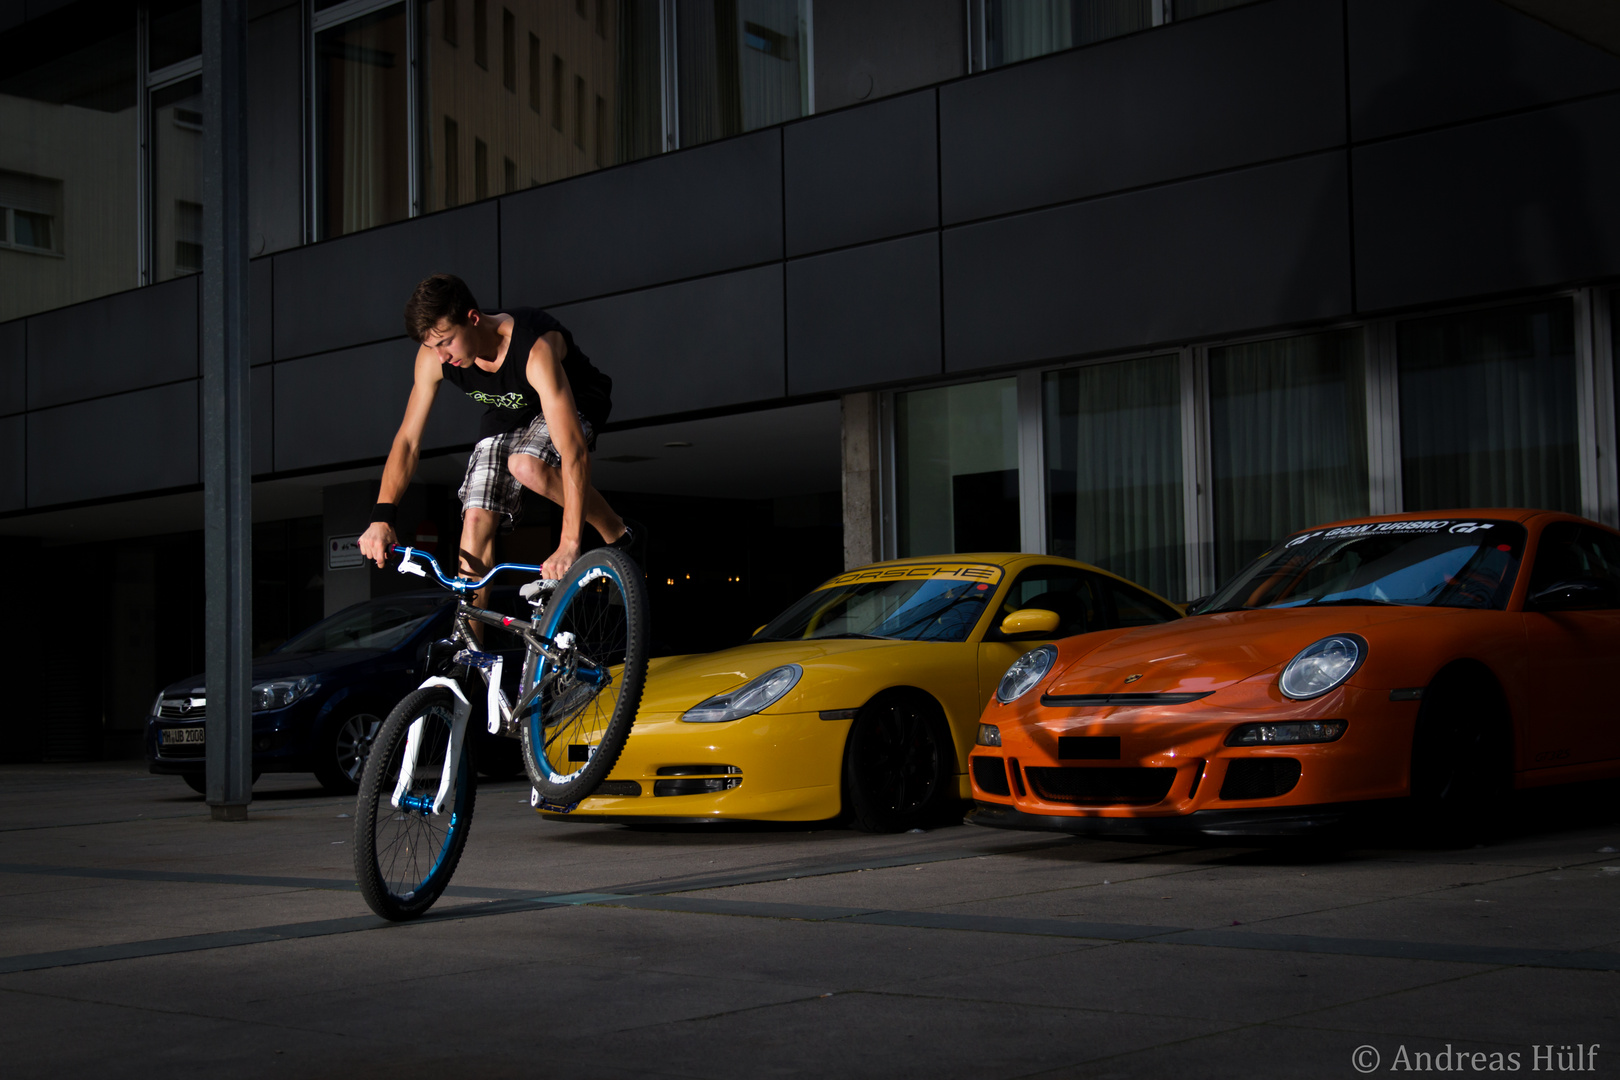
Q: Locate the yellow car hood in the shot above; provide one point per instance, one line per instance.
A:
(676, 683)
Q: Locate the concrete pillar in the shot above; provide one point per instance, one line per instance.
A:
(863, 479)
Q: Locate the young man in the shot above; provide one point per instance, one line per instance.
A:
(544, 401)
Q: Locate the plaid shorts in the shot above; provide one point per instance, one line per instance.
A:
(490, 485)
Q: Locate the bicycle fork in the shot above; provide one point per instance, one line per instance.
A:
(452, 759)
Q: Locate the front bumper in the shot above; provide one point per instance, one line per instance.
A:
(787, 769)
(1278, 821)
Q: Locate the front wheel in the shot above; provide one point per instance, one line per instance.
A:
(898, 766)
(575, 732)
(404, 855)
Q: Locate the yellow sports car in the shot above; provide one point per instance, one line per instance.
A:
(863, 697)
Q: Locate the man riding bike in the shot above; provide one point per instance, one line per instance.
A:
(545, 401)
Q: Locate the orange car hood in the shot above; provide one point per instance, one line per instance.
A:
(1209, 652)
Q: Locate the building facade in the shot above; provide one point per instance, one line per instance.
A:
(1144, 282)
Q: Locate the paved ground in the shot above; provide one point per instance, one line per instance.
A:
(140, 938)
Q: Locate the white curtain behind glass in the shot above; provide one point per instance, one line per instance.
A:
(1488, 409)
(362, 149)
(1288, 439)
(1113, 460)
(1021, 29)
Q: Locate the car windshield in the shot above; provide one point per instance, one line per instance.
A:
(931, 609)
(379, 624)
(1440, 563)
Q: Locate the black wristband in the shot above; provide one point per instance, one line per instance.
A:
(385, 512)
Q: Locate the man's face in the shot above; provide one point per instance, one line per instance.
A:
(454, 344)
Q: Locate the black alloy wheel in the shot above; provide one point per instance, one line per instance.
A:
(1462, 759)
(897, 766)
(342, 750)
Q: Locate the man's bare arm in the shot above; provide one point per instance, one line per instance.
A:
(376, 541)
(562, 421)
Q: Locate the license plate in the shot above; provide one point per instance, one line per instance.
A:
(183, 736)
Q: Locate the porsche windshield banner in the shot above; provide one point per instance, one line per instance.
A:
(960, 571)
(1382, 527)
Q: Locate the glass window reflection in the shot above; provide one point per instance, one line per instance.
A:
(363, 146)
(741, 65)
(1017, 30)
(956, 468)
(68, 108)
(176, 146)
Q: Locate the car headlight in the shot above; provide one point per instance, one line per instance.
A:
(279, 693)
(1290, 733)
(1025, 672)
(757, 693)
(1322, 665)
(157, 705)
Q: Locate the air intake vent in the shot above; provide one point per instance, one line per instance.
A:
(1102, 787)
(618, 789)
(1259, 778)
(991, 775)
(697, 779)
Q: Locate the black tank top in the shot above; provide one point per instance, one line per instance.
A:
(511, 402)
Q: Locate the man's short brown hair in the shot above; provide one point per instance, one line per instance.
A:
(442, 296)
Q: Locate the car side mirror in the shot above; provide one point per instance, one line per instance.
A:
(758, 628)
(1579, 594)
(1195, 606)
(1030, 621)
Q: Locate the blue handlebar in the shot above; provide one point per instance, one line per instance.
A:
(460, 585)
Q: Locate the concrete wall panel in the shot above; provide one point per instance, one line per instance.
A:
(346, 406)
(862, 174)
(353, 291)
(261, 311)
(1514, 203)
(865, 51)
(117, 343)
(13, 366)
(143, 441)
(263, 419)
(1243, 86)
(700, 211)
(1418, 64)
(864, 316)
(698, 345)
(1256, 248)
(13, 462)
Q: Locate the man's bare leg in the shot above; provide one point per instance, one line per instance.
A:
(546, 481)
(478, 552)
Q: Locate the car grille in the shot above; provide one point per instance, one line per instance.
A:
(183, 708)
(991, 775)
(1102, 787)
(1259, 778)
(618, 789)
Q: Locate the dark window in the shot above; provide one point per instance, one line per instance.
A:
(579, 112)
(508, 50)
(534, 73)
(601, 18)
(452, 179)
(1067, 590)
(510, 168)
(450, 22)
(556, 92)
(481, 33)
(1570, 551)
(579, 6)
(480, 169)
(1131, 606)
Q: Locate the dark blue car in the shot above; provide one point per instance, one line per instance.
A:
(319, 697)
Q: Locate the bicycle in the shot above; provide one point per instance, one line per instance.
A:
(585, 662)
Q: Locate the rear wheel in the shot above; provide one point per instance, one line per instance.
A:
(576, 731)
(898, 766)
(404, 854)
(1462, 758)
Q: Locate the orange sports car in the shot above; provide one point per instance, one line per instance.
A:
(1442, 658)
